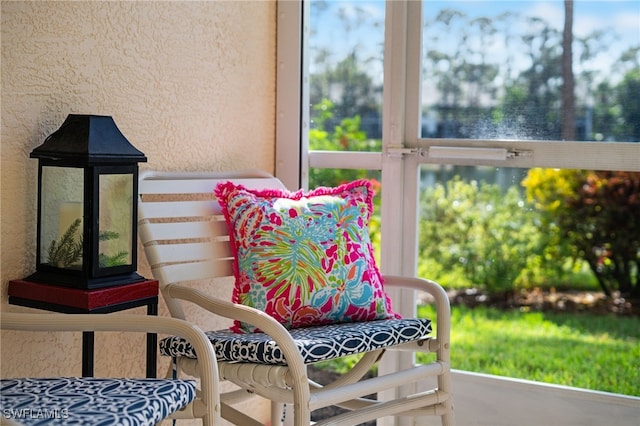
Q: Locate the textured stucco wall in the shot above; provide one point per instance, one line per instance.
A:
(191, 84)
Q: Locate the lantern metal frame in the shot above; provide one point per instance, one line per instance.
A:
(95, 145)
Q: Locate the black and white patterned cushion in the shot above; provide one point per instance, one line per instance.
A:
(315, 343)
(93, 401)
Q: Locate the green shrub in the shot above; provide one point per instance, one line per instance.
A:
(346, 136)
(594, 216)
(476, 235)
(472, 235)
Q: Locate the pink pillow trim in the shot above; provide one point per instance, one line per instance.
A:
(224, 188)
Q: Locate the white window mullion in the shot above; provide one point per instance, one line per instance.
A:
(292, 113)
(400, 169)
(412, 112)
(393, 134)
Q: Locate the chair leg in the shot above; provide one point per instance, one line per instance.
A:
(274, 413)
(280, 415)
(448, 419)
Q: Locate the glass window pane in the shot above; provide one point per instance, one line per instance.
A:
(346, 72)
(505, 69)
(115, 231)
(537, 240)
(505, 229)
(61, 224)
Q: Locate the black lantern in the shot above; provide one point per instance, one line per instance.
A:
(87, 205)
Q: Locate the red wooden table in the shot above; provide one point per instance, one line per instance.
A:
(56, 298)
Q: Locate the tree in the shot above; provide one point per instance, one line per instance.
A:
(605, 226)
(596, 215)
(347, 80)
(351, 91)
(465, 77)
(616, 112)
(627, 95)
(532, 88)
(347, 135)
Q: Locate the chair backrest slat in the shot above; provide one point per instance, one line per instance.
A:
(186, 272)
(181, 226)
(151, 232)
(184, 209)
(199, 183)
(163, 254)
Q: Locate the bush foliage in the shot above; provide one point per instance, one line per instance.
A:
(568, 227)
(475, 235)
(594, 216)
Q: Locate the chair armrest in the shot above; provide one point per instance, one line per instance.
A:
(443, 307)
(207, 362)
(242, 313)
(100, 322)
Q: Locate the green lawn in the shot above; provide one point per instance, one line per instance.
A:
(583, 350)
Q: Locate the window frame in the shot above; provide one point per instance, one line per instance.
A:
(403, 151)
(403, 34)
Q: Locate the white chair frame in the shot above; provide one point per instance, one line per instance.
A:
(206, 406)
(185, 239)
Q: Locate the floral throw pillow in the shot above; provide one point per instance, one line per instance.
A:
(304, 258)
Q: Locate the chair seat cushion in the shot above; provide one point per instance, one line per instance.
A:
(318, 343)
(93, 401)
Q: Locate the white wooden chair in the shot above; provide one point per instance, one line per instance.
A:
(186, 240)
(109, 400)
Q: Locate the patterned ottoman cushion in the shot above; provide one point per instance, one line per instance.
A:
(92, 401)
(315, 343)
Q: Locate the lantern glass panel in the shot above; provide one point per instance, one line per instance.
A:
(115, 224)
(61, 218)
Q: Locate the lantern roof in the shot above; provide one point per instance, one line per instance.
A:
(88, 140)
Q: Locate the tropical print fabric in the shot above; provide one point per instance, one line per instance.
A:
(304, 258)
